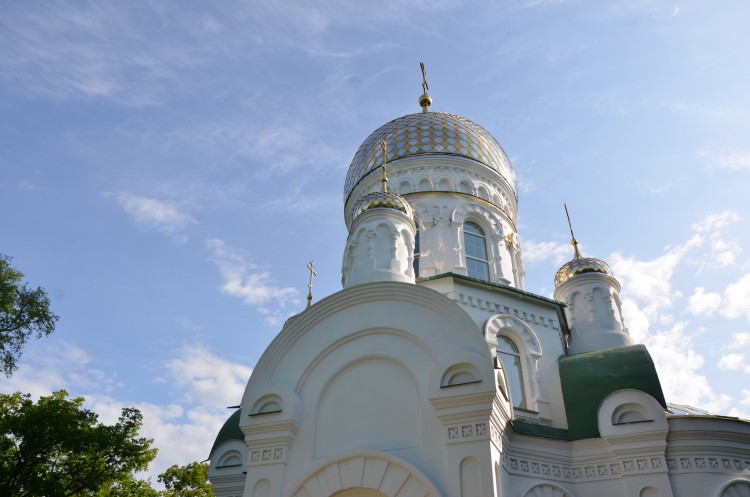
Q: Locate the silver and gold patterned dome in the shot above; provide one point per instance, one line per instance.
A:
(580, 266)
(381, 200)
(429, 133)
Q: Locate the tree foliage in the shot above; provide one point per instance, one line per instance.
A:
(190, 480)
(23, 313)
(55, 447)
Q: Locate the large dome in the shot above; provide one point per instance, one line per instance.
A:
(428, 133)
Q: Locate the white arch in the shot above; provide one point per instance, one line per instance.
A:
(530, 351)
(546, 490)
(522, 331)
(460, 213)
(378, 471)
(736, 488)
(423, 215)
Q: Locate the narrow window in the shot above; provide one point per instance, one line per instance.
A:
(507, 352)
(476, 252)
(416, 255)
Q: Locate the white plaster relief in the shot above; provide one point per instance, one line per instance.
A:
(495, 308)
(467, 432)
(267, 455)
(707, 464)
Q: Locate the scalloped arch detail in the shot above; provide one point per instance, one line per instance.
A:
(460, 213)
(381, 473)
(499, 322)
(546, 491)
(737, 489)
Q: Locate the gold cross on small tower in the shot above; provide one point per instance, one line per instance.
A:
(573, 240)
(311, 267)
(384, 148)
(424, 78)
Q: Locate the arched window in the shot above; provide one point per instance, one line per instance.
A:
(507, 352)
(476, 252)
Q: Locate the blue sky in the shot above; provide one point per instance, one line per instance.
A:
(167, 170)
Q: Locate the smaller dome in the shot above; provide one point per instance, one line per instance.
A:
(581, 266)
(381, 200)
(230, 431)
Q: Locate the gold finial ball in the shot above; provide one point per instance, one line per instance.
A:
(425, 100)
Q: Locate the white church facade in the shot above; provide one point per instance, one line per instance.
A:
(433, 373)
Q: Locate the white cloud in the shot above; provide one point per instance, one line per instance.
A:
(703, 303)
(650, 282)
(737, 298)
(724, 253)
(247, 281)
(52, 365)
(557, 253)
(739, 340)
(208, 380)
(647, 295)
(679, 368)
(183, 430)
(731, 361)
(716, 222)
(158, 215)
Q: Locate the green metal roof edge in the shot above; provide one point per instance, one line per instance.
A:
(229, 431)
(587, 379)
(523, 427)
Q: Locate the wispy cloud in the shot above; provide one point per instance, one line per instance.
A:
(736, 161)
(52, 365)
(716, 221)
(249, 282)
(164, 217)
(555, 252)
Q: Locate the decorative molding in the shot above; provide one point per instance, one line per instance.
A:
(625, 467)
(468, 432)
(707, 464)
(604, 470)
(495, 308)
(270, 455)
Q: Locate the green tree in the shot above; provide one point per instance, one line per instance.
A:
(190, 480)
(55, 447)
(129, 487)
(23, 312)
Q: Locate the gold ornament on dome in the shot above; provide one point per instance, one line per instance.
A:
(582, 265)
(429, 133)
(381, 200)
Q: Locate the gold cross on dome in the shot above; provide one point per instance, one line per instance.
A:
(424, 78)
(311, 267)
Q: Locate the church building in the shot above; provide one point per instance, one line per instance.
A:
(433, 373)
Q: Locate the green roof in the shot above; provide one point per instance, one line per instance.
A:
(230, 431)
(523, 427)
(587, 379)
